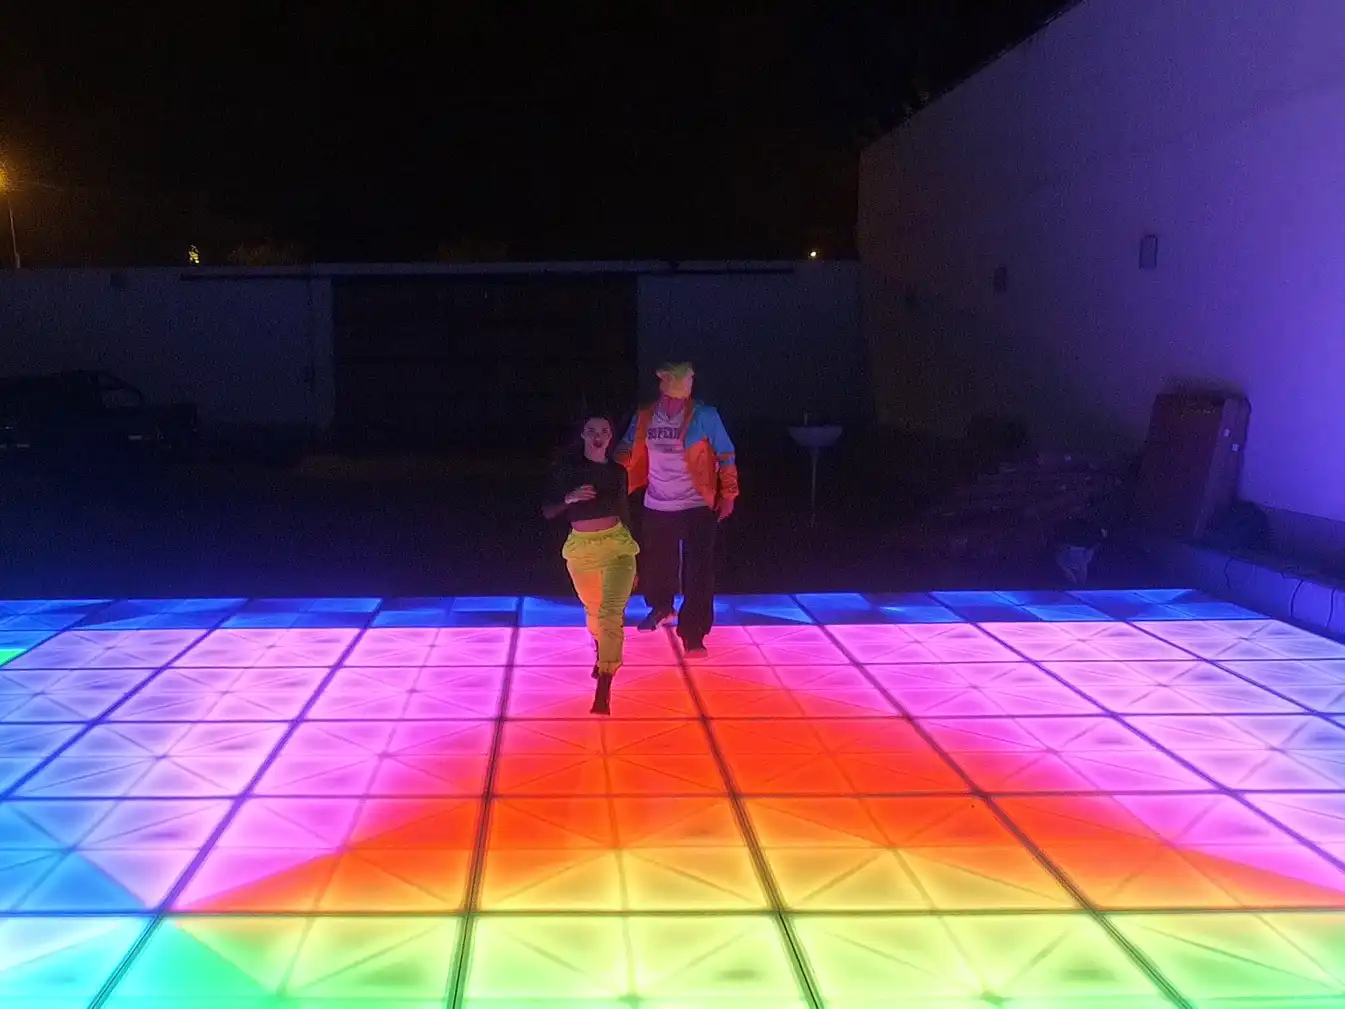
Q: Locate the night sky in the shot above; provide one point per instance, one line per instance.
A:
(403, 130)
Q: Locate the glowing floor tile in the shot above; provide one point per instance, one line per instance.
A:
(448, 611)
(840, 854)
(639, 692)
(381, 758)
(324, 612)
(794, 646)
(983, 607)
(24, 747)
(108, 649)
(1245, 639)
(1163, 688)
(1163, 604)
(61, 963)
(1189, 851)
(170, 614)
(832, 757)
(1059, 755)
(1253, 960)
(1319, 817)
(99, 857)
(222, 695)
(281, 962)
(1305, 680)
(429, 646)
(731, 646)
(672, 960)
(417, 692)
(573, 646)
(1057, 960)
(1083, 642)
(268, 647)
(64, 695)
(167, 759)
(759, 610)
(1255, 752)
(46, 614)
(788, 692)
(897, 643)
(13, 644)
(877, 608)
(980, 688)
(617, 758)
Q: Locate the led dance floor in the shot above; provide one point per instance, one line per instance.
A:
(1111, 800)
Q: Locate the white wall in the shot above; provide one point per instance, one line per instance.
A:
(767, 346)
(241, 350)
(1218, 125)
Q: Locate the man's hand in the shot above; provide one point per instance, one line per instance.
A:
(584, 493)
(725, 508)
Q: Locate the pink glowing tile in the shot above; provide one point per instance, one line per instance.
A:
(429, 692)
(1255, 752)
(1082, 642)
(1163, 688)
(978, 688)
(1059, 755)
(815, 691)
(384, 758)
(241, 648)
(470, 646)
(573, 646)
(733, 646)
(1245, 639)
(107, 649)
(1319, 817)
(898, 643)
(639, 692)
(795, 646)
(393, 646)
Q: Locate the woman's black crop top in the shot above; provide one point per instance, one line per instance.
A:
(607, 478)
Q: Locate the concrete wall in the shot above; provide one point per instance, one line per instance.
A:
(768, 346)
(253, 348)
(1214, 125)
(249, 353)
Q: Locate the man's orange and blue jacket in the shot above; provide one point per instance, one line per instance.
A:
(711, 458)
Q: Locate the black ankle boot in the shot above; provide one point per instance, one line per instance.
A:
(602, 696)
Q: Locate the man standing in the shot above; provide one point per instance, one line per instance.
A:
(679, 452)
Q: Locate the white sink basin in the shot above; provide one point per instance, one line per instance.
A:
(816, 435)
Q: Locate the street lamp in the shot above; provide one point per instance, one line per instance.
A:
(8, 191)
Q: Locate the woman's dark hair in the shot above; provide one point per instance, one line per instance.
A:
(573, 450)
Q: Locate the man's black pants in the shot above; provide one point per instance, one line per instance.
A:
(661, 534)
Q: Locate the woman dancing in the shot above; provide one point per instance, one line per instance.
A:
(590, 491)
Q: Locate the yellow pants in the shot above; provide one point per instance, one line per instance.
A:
(602, 567)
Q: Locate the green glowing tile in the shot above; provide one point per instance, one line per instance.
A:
(1054, 958)
(198, 962)
(1211, 958)
(60, 963)
(557, 958)
(571, 961)
(9, 654)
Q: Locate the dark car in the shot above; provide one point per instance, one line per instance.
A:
(89, 417)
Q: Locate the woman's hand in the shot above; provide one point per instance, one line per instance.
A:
(584, 493)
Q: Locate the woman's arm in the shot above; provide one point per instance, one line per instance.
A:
(555, 504)
(623, 497)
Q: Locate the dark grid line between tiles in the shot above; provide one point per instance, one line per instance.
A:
(1132, 952)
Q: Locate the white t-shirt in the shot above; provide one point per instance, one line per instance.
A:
(670, 487)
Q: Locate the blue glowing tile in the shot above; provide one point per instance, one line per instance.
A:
(75, 885)
(167, 614)
(61, 963)
(449, 611)
(756, 611)
(1019, 607)
(33, 740)
(46, 614)
(910, 608)
(15, 643)
(563, 612)
(1163, 604)
(321, 612)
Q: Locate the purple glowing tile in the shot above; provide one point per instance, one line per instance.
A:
(573, 646)
(1319, 817)
(158, 759)
(1168, 688)
(372, 693)
(795, 646)
(1255, 752)
(269, 647)
(1082, 642)
(108, 649)
(1059, 755)
(979, 688)
(428, 692)
(246, 695)
(33, 741)
(1225, 640)
(388, 758)
(915, 643)
(441, 646)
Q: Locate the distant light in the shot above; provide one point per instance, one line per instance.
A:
(194, 256)
(813, 254)
(4, 179)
